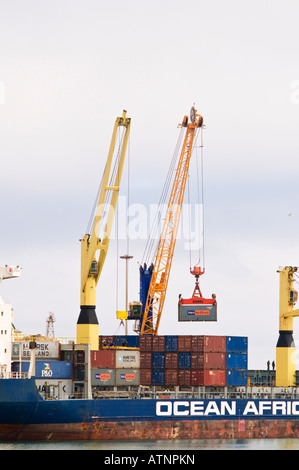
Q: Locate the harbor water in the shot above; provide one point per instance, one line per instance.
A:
(190, 446)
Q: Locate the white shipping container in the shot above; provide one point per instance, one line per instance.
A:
(44, 350)
(126, 359)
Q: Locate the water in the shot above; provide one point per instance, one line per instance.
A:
(167, 445)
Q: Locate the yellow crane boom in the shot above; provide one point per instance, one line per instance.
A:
(91, 266)
(160, 275)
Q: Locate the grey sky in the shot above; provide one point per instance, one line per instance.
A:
(68, 68)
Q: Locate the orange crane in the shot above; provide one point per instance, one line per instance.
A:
(161, 270)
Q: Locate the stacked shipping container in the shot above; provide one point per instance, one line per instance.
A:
(193, 361)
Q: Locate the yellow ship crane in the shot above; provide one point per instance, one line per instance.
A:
(91, 262)
(285, 348)
(162, 265)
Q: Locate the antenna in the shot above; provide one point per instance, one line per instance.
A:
(50, 325)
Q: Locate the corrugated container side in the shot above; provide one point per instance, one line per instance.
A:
(236, 378)
(213, 378)
(131, 341)
(171, 360)
(103, 377)
(184, 343)
(184, 360)
(125, 359)
(184, 377)
(171, 376)
(196, 360)
(212, 360)
(158, 344)
(212, 343)
(145, 376)
(158, 360)
(103, 359)
(126, 377)
(158, 377)
(195, 343)
(236, 361)
(171, 343)
(145, 343)
(237, 344)
(145, 360)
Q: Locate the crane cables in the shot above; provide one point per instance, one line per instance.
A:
(200, 207)
(150, 252)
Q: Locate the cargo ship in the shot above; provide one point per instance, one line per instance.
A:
(130, 394)
(144, 386)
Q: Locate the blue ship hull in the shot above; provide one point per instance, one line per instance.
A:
(24, 415)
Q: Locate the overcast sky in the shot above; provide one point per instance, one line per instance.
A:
(68, 68)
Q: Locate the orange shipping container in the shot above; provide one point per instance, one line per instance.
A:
(102, 359)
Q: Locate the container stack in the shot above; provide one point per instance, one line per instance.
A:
(193, 361)
(115, 367)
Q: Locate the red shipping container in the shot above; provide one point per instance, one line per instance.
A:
(102, 359)
(171, 360)
(195, 343)
(184, 343)
(145, 343)
(212, 360)
(158, 343)
(145, 360)
(196, 378)
(145, 377)
(196, 360)
(212, 378)
(171, 377)
(212, 343)
(184, 377)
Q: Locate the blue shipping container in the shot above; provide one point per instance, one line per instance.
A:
(171, 343)
(158, 377)
(236, 361)
(236, 344)
(131, 341)
(158, 360)
(48, 370)
(236, 378)
(184, 360)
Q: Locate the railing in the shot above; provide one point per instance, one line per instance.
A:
(13, 375)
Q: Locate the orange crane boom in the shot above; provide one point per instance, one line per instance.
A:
(159, 280)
